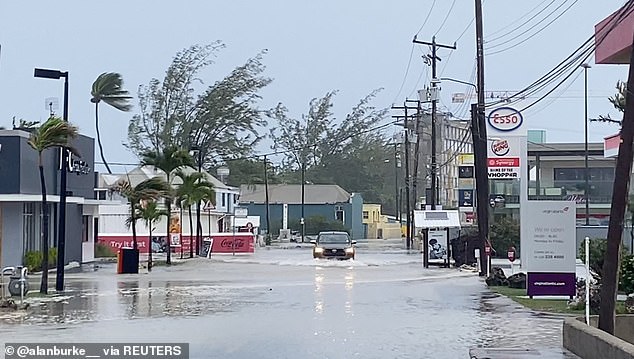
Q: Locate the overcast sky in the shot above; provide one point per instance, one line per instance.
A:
(313, 47)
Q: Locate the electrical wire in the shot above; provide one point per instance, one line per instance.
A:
(529, 37)
(426, 18)
(520, 18)
(409, 62)
(446, 17)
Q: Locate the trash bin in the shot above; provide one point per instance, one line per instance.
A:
(128, 261)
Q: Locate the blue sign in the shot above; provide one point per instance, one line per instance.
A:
(465, 198)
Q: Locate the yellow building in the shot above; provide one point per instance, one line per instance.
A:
(377, 225)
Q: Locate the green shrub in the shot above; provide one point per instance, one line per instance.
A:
(103, 250)
(598, 248)
(504, 234)
(626, 275)
(33, 260)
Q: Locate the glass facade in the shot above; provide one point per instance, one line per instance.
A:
(571, 181)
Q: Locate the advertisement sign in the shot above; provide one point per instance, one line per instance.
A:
(549, 251)
(465, 171)
(504, 158)
(175, 230)
(466, 159)
(437, 244)
(611, 145)
(229, 243)
(505, 120)
(465, 196)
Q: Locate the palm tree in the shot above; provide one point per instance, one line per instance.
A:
(192, 189)
(55, 132)
(149, 190)
(205, 193)
(151, 214)
(108, 87)
(168, 160)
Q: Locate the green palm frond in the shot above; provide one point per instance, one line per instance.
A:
(108, 87)
(194, 188)
(168, 160)
(55, 132)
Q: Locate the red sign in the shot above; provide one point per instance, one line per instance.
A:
(118, 242)
(504, 162)
(511, 254)
(229, 243)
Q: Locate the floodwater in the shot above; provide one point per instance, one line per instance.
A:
(281, 303)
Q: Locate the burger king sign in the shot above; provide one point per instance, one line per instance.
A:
(504, 158)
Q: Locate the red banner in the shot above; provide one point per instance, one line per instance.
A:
(504, 162)
(118, 242)
(228, 243)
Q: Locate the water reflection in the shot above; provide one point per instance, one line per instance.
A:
(318, 291)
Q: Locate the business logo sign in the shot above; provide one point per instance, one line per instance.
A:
(500, 147)
(505, 119)
(504, 158)
(465, 197)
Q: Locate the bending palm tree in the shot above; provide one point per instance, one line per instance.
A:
(151, 214)
(55, 132)
(108, 87)
(149, 190)
(192, 189)
(168, 160)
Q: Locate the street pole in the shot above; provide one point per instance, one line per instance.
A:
(479, 132)
(199, 230)
(586, 194)
(396, 200)
(434, 100)
(61, 240)
(302, 220)
(407, 184)
(266, 189)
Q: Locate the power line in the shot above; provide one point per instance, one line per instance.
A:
(531, 36)
(426, 18)
(409, 62)
(446, 17)
(520, 18)
(522, 24)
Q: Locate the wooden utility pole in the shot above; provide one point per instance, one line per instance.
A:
(266, 188)
(479, 131)
(617, 210)
(434, 100)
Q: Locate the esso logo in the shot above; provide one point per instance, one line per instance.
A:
(505, 119)
(500, 147)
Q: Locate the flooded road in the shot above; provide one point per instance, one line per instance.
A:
(280, 303)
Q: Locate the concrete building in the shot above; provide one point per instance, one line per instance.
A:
(376, 225)
(215, 217)
(331, 202)
(20, 199)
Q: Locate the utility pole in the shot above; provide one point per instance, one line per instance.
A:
(302, 220)
(479, 132)
(396, 197)
(266, 189)
(434, 100)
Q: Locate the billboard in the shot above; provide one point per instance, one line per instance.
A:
(549, 251)
(504, 158)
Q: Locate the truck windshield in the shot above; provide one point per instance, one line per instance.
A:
(334, 238)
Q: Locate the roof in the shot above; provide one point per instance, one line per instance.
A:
(437, 219)
(142, 173)
(292, 194)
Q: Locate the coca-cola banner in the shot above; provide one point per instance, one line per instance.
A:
(230, 243)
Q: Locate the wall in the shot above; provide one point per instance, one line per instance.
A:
(295, 211)
(356, 217)
(12, 246)
(588, 342)
(74, 229)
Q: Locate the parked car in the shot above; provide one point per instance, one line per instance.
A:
(334, 245)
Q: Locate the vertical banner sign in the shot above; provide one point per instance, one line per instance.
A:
(175, 230)
(465, 196)
(504, 158)
(285, 216)
(437, 244)
(549, 251)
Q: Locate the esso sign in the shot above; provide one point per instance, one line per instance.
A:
(500, 147)
(505, 119)
(511, 254)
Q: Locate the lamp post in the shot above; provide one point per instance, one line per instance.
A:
(586, 190)
(199, 160)
(302, 220)
(61, 234)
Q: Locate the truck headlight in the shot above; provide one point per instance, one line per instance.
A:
(319, 250)
(350, 250)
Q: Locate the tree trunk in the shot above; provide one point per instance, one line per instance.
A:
(168, 203)
(181, 222)
(103, 158)
(44, 210)
(191, 233)
(617, 211)
(149, 256)
(135, 245)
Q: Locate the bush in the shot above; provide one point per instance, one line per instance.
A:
(103, 250)
(626, 275)
(504, 234)
(33, 260)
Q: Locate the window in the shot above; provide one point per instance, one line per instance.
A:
(85, 229)
(100, 194)
(224, 200)
(366, 215)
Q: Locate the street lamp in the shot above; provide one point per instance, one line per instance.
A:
(61, 236)
(586, 191)
(199, 159)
